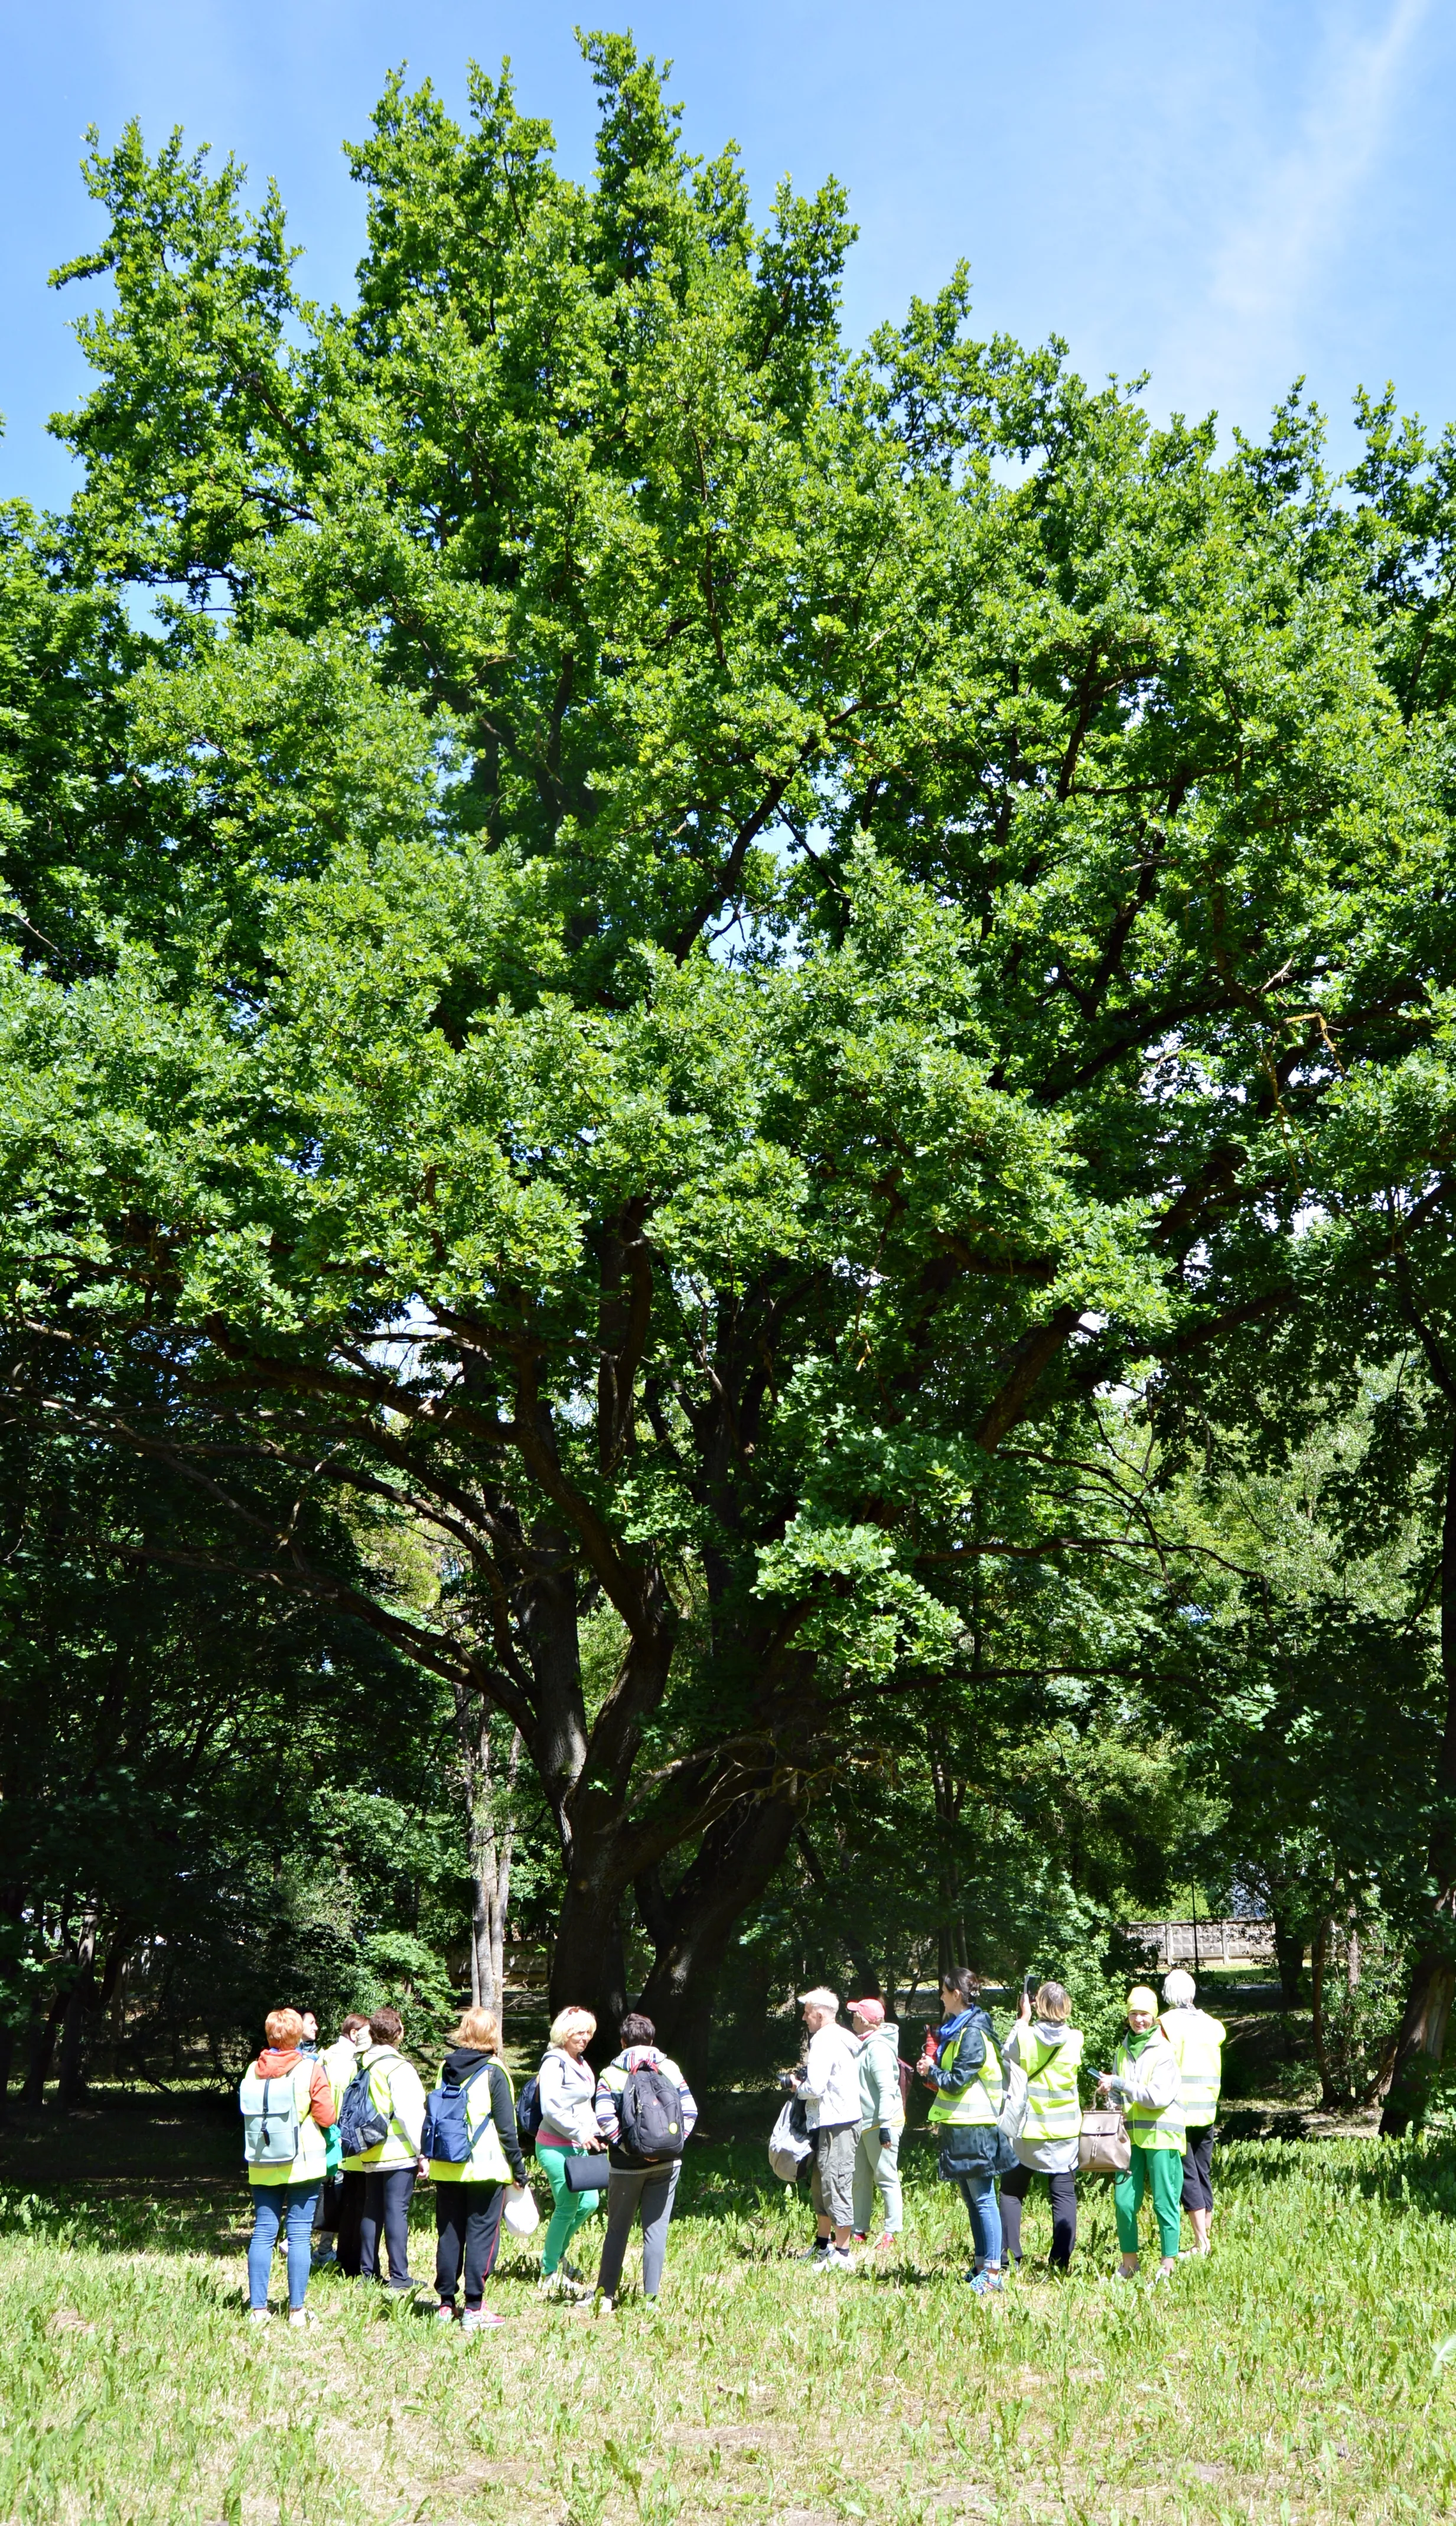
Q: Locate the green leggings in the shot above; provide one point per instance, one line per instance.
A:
(1161, 2170)
(571, 2207)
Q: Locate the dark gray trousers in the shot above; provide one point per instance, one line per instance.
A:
(650, 2190)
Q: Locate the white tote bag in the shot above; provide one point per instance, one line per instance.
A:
(788, 2146)
(520, 2214)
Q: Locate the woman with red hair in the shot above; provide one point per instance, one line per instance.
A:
(287, 2106)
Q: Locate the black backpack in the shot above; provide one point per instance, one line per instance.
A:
(529, 2111)
(650, 2114)
(361, 2125)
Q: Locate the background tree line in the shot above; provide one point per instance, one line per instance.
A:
(726, 1126)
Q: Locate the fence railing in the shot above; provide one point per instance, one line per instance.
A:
(1225, 1942)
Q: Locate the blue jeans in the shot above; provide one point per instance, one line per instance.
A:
(979, 2193)
(276, 2206)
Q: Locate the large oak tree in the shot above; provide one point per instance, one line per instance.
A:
(680, 943)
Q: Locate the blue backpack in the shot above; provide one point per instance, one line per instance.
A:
(360, 2124)
(529, 2111)
(446, 2133)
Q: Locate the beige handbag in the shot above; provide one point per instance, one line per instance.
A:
(1104, 2147)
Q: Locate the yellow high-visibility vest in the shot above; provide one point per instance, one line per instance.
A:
(486, 2163)
(981, 2103)
(1150, 2126)
(1053, 2105)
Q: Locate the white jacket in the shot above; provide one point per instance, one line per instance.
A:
(1153, 2079)
(830, 2084)
(567, 2094)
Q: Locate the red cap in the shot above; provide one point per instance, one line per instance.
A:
(872, 2010)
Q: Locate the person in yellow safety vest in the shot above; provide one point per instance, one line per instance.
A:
(1144, 2081)
(468, 2198)
(1049, 2049)
(343, 2191)
(1198, 2041)
(965, 2071)
(389, 2168)
(285, 2189)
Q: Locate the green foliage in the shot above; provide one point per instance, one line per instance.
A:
(730, 972)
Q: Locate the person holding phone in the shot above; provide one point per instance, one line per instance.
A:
(1144, 2080)
(964, 2070)
(1050, 2049)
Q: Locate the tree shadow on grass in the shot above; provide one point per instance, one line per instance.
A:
(130, 2214)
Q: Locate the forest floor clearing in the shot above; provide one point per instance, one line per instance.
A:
(1305, 2372)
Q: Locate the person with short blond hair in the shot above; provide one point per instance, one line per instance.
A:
(1048, 2048)
(566, 2083)
(390, 2167)
(285, 2094)
(469, 2197)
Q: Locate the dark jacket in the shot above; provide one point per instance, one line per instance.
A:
(972, 2026)
(458, 2066)
(968, 2148)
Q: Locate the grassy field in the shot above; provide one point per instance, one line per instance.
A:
(1300, 2374)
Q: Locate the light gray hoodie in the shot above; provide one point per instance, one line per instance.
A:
(1047, 2156)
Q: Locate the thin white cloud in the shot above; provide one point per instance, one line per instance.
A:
(1239, 344)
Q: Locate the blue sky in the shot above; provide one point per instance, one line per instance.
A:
(1227, 194)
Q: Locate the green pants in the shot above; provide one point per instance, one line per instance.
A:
(571, 2207)
(1161, 2170)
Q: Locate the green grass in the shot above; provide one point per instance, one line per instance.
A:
(1298, 2375)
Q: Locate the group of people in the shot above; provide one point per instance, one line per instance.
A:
(340, 2138)
(353, 2132)
(1004, 2121)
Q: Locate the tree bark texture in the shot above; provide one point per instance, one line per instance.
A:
(490, 1844)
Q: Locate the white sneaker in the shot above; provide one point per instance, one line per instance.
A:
(259, 2314)
(299, 2318)
(815, 2254)
(837, 2260)
(479, 2319)
(558, 2284)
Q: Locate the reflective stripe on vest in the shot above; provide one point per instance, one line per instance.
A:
(1053, 2106)
(486, 2163)
(981, 2103)
(310, 2165)
(1149, 2126)
(1200, 2061)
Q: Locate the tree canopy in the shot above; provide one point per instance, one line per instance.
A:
(748, 988)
